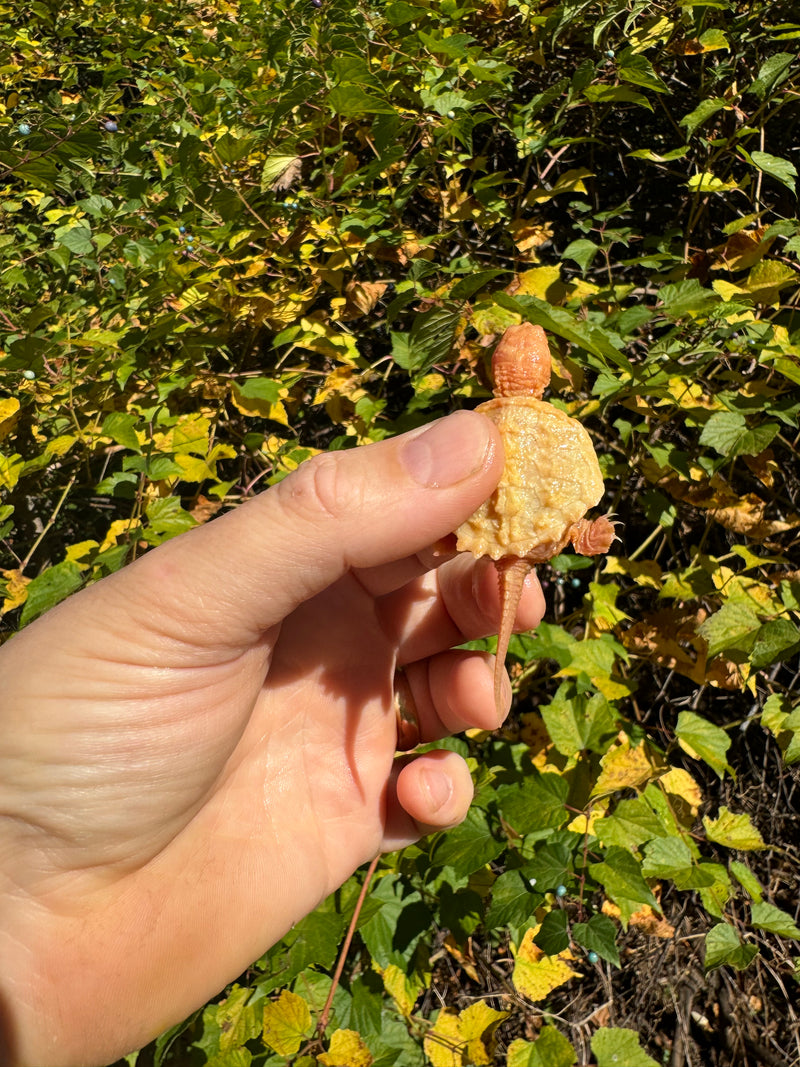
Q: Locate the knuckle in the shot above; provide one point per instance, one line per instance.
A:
(320, 488)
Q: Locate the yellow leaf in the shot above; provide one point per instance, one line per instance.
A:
(11, 468)
(77, 553)
(653, 31)
(259, 407)
(341, 382)
(645, 919)
(361, 298)
(287, 1021)
(727, 290)
(680, 785)
(477, 1024)
(584, 824)
(323, 339)
(733, 831)
(16, 589)
(117, 530)
(404, 990)
(464, 958)
(59, 446)
(627, 767)
(443, 1043)
(9, 408)
(528, 235)
(535, 975)
(571, 181)
(194, 468)
(706, 182)
(346, 1050)
(766, 279)
(542, 282)
(644, 572)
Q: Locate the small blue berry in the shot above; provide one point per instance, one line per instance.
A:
(24, 129)
(561, 891)
(190, 248)
(29, 374)
(575, 583)
(181, 229)
(111, 126)
(593, 957)
(189, 237)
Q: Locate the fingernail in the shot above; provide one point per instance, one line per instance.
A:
(449, 451)
(438, 786)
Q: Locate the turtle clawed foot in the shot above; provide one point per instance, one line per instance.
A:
(591, 537)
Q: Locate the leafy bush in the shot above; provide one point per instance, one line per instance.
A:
(239, 233)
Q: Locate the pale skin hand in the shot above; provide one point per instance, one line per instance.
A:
(197, 750)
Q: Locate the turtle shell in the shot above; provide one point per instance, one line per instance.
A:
(551, 479)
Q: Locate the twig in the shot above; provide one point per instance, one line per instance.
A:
(326, 1011)
(49, 524)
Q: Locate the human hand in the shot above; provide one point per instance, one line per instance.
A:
(197, 750)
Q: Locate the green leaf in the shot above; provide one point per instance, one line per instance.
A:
(632, 823)
(702, 739)
(266, 389)
(577, 721)
(550, 867)
(776, 641)
(772, 72)
(621, 876)
(238, 1021)
(717, 894)
(777, 167)
(746, 879)
(733, 831)
(351, 100)
(565, 324)
(598, 935)
(615, 94)
(167, 518)
(723, 948)
(682, 298)
(50, 588)
(535, 806)
(615, 1047)
(582, 251)
(735, 625)
(513, 901)
(467, 847)
(727, 432)
(553, 936)
(702, 113)
(120, 427)
(312, 941)
(666, 857)
(77, 237)
(767, 917)
(550, 1049)
(392, 933)
(638, 70)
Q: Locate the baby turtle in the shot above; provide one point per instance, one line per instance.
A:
(551, 479)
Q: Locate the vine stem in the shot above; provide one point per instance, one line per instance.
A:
(326, 1011)
(49, 524)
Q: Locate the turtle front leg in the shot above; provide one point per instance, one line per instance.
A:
(589, 538)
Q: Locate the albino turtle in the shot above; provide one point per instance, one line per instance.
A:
(551, 479)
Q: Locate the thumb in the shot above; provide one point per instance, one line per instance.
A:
(232, 579)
